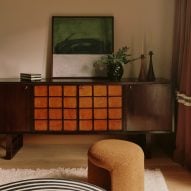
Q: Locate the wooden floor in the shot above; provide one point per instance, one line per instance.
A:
(40, 152)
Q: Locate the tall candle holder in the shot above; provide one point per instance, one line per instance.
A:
(151, 74)
(142, 74)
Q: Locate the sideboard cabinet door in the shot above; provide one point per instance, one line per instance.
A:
(15, 108)
(149, 107)
(78, 108)
(55, 108)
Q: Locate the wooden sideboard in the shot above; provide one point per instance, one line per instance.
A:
(83, 106)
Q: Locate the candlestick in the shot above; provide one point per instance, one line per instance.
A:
(151, 75)
(142, 74)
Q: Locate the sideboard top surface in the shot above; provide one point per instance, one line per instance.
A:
(124, 81)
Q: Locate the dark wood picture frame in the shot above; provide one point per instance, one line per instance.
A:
(77, 41)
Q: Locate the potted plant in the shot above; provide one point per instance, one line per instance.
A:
(114, 63)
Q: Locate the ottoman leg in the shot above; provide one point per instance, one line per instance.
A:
(99, 176)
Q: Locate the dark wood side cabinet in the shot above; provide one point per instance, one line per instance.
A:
(83, 106)
(15, 114)
(15, 107)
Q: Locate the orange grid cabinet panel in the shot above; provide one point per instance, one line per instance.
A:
(73, 107)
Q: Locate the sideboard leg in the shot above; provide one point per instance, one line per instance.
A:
(148, 143)
(13, 144)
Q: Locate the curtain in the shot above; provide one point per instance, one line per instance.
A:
(182, 78)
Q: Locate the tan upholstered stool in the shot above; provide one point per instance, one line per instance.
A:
(116, 165)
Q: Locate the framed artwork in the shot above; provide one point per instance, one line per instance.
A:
(78, 41)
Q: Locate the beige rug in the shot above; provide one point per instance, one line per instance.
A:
(154, 180)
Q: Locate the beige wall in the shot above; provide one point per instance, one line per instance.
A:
(25, 35)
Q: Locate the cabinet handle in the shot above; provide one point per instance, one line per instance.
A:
(26, 87)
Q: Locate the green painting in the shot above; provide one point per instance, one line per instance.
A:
(82, 35)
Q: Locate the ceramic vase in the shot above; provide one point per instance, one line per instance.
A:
(115, 71)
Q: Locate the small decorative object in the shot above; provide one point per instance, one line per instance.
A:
(151, 75)
(115, 63)
(142, 74)
(30, 76)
